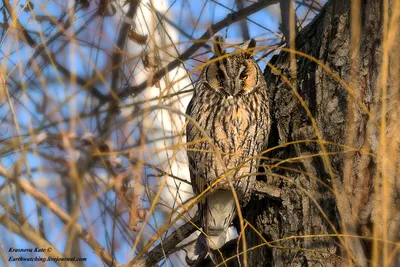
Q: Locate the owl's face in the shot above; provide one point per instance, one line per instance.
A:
(233, 74)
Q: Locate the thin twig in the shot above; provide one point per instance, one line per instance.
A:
(167, 246)
(228, 20)
(63, 216)
(25, 231)
(116, 64)
(48, 56)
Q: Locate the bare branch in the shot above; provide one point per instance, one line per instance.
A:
(38, 50)
(231, 18)
(64, 217)
(25, 231)
(123, 34)
(167, 245)
(243, 24)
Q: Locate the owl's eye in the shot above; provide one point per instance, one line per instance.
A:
(244, 76)
(220, 79)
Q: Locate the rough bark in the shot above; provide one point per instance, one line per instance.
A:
(303, 206)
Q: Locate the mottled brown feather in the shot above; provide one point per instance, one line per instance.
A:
(230, 103)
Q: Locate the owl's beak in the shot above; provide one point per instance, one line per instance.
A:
(232, 87)
(227, 88)
(236, 87)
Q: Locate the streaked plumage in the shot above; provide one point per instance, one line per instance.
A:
(230, 104)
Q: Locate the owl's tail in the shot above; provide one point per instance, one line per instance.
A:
(219, 210)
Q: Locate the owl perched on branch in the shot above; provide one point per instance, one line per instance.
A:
(227, 130)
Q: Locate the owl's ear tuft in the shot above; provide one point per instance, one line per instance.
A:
(248, 45)
(218, 46)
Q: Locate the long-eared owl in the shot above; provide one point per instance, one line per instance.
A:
(227, 130)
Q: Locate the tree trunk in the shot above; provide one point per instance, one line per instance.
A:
(315, 194)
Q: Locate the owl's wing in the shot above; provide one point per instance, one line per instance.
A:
(199, 183)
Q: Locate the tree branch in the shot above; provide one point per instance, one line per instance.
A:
(123, 34)
(25, 231)
(39, 49)
(66, 219)
(167, 245)
(231, 18)
(63, 216)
